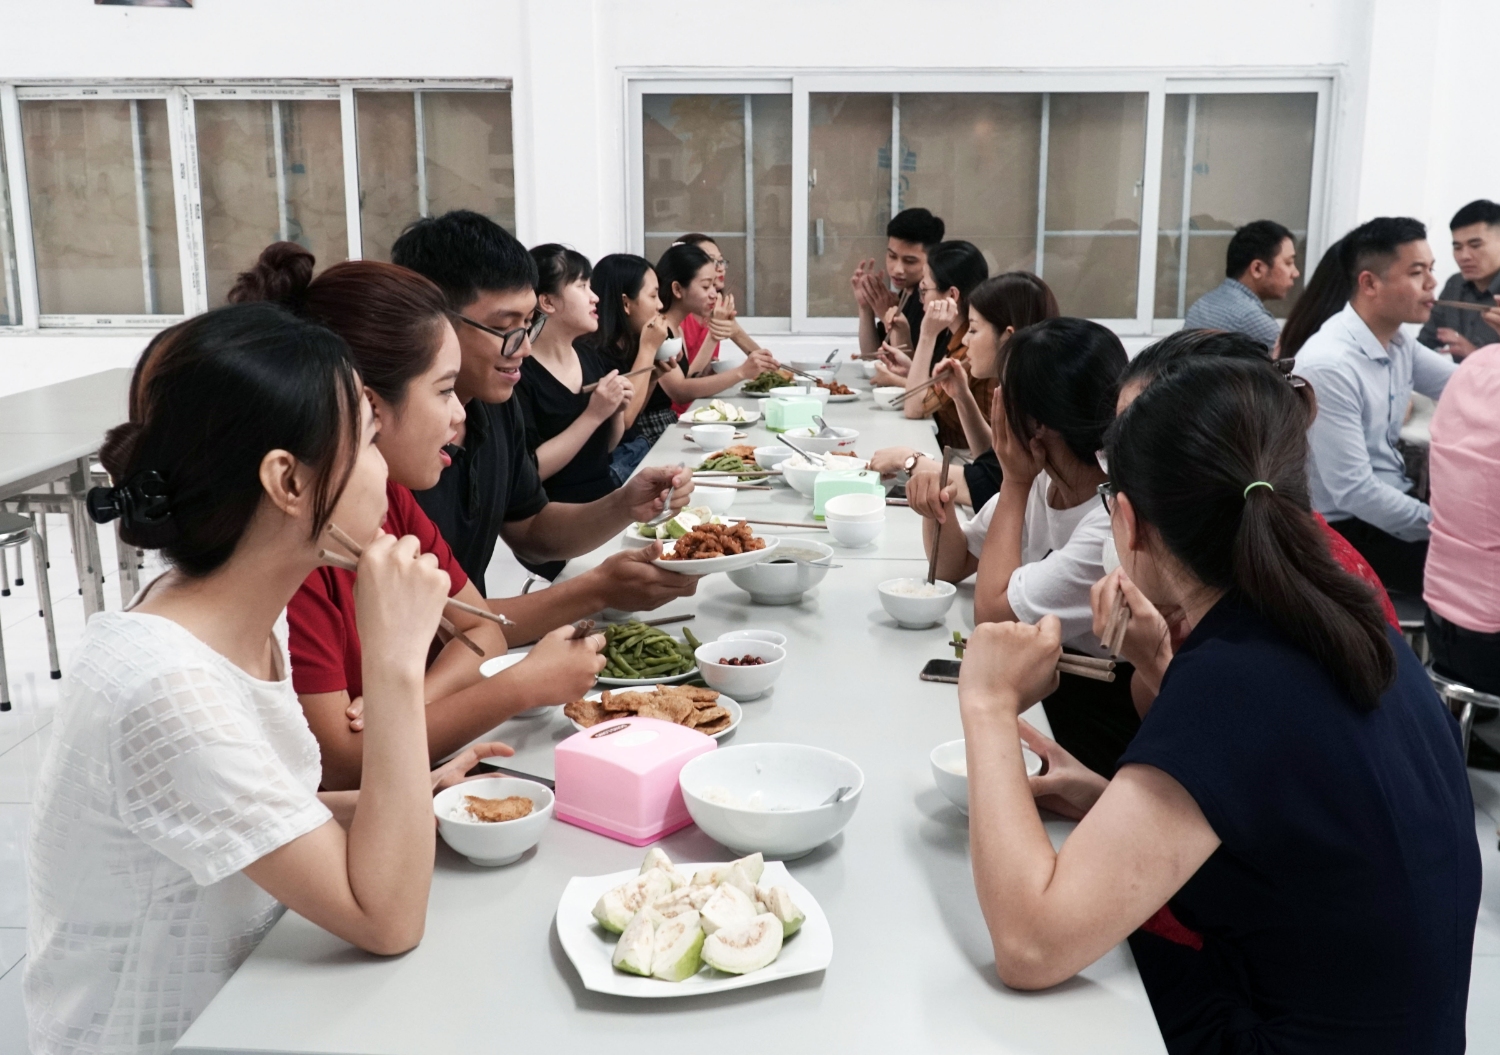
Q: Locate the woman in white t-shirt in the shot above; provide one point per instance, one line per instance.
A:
(1037, 546)
(178, 809)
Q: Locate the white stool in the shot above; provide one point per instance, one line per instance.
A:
(15, 531)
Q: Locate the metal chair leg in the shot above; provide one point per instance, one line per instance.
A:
(4, 679)
(20, 578)
(44, 588)
(1466, 726)
(4, 574)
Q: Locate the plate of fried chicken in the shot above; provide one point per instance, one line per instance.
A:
(716, 547)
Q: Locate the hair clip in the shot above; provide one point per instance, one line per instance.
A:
(141, 500)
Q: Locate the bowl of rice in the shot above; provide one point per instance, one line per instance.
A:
(494, 820)
(950, 771)
(917, 604)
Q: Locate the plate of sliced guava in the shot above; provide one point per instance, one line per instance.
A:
(686, 929)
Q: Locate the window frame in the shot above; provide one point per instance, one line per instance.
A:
(1155, 85)
(181, 97)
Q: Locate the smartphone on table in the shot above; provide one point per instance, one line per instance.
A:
(945, 670)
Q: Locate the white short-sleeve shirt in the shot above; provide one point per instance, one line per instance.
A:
(1062, 556)
(170, 770)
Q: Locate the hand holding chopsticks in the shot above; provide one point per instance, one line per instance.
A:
(1068, 663)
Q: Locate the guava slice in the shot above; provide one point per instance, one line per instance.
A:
(637, 946)
(779, 903)
(739, 877)
(711, 876)
(615, 908)
(753, 865)
(744, 947)
(681, 524)
(729, 906)
(679, 944)
(656, 857)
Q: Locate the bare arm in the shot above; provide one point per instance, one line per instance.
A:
(940, 526)
(686, 389)
(1051, 914)
(1001, 555)
(563, 530)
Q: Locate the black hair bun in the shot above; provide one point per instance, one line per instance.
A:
(281, 275)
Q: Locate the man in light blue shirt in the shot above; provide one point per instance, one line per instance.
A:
(1260, 265)
(1364, 369)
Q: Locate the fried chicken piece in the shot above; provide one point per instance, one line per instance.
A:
(743, 450)
(718, 725)
(510, 808)
(585, 712)
(668, 707)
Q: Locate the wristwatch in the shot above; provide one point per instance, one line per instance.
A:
(910, 465)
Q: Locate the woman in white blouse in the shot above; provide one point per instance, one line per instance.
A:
(179, 808)
(1038, 545)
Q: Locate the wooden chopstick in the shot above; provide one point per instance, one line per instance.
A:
(595, 384)
(740, 487)
(338, 560)
(342, 538)
(897, 502)
(1116, 624)
(937, 531)
(1464, 305)
(582, 629)
(783, 523)
(714, 473)
(664, 620)
(895, 401)
(1091, 667)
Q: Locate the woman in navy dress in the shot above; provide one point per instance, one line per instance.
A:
(1296, 790)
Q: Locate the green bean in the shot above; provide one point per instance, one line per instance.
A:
(692, 641)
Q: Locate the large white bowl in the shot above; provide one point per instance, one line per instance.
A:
(772, 456)
(883, 396)
(712, 437)
(854, 507)
(770, 636)
(717, 499)
(743, 683)
(808, 389)
(956, 785)
(854, 533)
(817, 366)
(801, 477)
(809, 440)
(502, 842)
(771, 583)
(792, 781)
(917, 613)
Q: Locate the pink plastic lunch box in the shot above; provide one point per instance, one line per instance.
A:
(619, 778)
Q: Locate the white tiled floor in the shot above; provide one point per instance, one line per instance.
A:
(24, 732)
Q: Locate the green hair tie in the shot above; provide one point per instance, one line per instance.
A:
(1253, 485)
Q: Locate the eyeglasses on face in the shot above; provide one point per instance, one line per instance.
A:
(1106, 492)
(510, 340)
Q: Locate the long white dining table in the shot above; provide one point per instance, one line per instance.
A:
(912, 968)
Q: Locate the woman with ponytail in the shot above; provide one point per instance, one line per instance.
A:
(398, 331)
(1296, 790)
(178, 811)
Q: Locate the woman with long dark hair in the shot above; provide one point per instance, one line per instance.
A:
(397, 327)
(178, 810)
(1324, 296)
(1296, 789)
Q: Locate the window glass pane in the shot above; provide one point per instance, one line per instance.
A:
(972, 159)
(462, 159)
(1096, 150)
(99, 183)
(849, 197)
(694, 180)
(270, 171)
(1251, 160)
(10, 288)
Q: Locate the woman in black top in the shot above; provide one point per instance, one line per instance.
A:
(570, 432)
(1296, 788)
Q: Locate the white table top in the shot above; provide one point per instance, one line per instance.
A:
(45, 429)
(913, 970)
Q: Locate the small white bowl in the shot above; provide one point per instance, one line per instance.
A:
(729, 358)
(801, 477)
(495, 664)
(778, 581)
(671, 348)
(854, 507)
(917, 613)
(741, 683)
(500, 842)
(790, 780)
(868, 367)
(809, 440)
(855, 534)
(769, 636)
(817, 366)
(883, 396)
(712, 437)
(716, 499)
(772, 456)
(956, 785)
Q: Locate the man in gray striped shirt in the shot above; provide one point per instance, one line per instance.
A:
(1261, 265)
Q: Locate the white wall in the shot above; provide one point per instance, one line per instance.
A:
(1411, 82)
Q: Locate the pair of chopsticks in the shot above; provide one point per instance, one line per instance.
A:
(784, 523)
(590, 387)
(1079, 666)
(1116, 624)
(896, 401)
(338, 560)
(1464, 305)
(745, 473)
(937, 534)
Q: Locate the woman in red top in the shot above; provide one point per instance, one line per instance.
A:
(395, 322)
(702, 334)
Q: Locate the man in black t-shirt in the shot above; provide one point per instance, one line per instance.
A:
(491, 490)
(908, 236)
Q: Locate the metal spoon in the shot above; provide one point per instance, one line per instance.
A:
(803, 560)
(666, 510)
(825, 430)
(837, 796)
(831, 356)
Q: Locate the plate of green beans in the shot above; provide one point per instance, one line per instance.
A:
(636, 654)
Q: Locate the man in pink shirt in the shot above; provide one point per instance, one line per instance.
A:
(1462, 587)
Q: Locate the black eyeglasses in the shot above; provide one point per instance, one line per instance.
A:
(510, 340)
(1106, 492)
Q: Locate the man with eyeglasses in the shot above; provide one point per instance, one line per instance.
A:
(491, 489)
